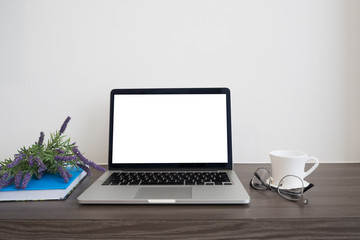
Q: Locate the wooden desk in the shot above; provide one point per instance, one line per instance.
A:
(333, 213)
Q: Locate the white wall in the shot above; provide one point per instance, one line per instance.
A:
(293, 67)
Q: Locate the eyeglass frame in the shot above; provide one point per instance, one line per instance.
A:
(304, 201)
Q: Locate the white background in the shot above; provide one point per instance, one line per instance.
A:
(293, 68)
(170, 129)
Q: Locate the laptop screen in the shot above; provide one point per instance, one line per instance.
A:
(170, 127)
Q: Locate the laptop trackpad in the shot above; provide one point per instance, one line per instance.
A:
(164, 193)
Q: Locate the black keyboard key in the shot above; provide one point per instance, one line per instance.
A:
(168, 178)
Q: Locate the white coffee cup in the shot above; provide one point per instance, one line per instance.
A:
(285, 162)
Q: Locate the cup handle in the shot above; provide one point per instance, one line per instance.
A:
(316, 164)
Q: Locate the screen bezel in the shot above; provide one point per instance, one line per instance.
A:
(171, 166)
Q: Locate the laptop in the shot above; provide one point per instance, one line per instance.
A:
(169, 146)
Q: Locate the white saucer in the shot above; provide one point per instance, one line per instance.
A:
(306, 183)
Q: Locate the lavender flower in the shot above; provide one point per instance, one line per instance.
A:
(97, 167)
(85, 168)
(18, 158)
(31, 160)
(5, 183)
(63, 173)
(68, 174)
(60, 151)
(26, 180)
(4, 176)
(41, 165)
(18, 154)
(65, 158)
(41, 138)
(39, 175)
(18, 178)
(63, 127)
(3, 179)
(86, 161)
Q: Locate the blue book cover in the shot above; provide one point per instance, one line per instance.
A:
(49, 187)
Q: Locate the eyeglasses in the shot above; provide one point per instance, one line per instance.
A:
(290, 187)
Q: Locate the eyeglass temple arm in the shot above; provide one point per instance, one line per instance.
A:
(259, 178)
(308, 187)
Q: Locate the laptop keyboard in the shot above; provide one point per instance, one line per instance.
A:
(168, 178)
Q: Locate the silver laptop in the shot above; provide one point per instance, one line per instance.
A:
(169, 146)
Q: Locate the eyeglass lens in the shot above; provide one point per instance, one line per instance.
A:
(260, 179)
(291, 188)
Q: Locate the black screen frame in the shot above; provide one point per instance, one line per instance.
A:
(172, 166)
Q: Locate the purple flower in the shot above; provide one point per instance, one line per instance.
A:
(68, 174)
(39, 175)
(5, 183)
(41, 165)
(63, 173)
(18, 178)
(97, 167)
(31, 161)
(86, 161)
(63, 127)
(60, 151)
(26, 180)
(4, 176)
(18, 158)
(41, 138)
(65, 158)
(18, 154)
(3, 179)
(85, 168)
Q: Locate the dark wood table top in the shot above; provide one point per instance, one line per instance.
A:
(333, 211)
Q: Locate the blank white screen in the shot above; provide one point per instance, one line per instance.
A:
(174, 128)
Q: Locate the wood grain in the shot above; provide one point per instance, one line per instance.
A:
(192, 229)
(333, 213)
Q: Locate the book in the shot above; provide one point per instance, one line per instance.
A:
(49, 187)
